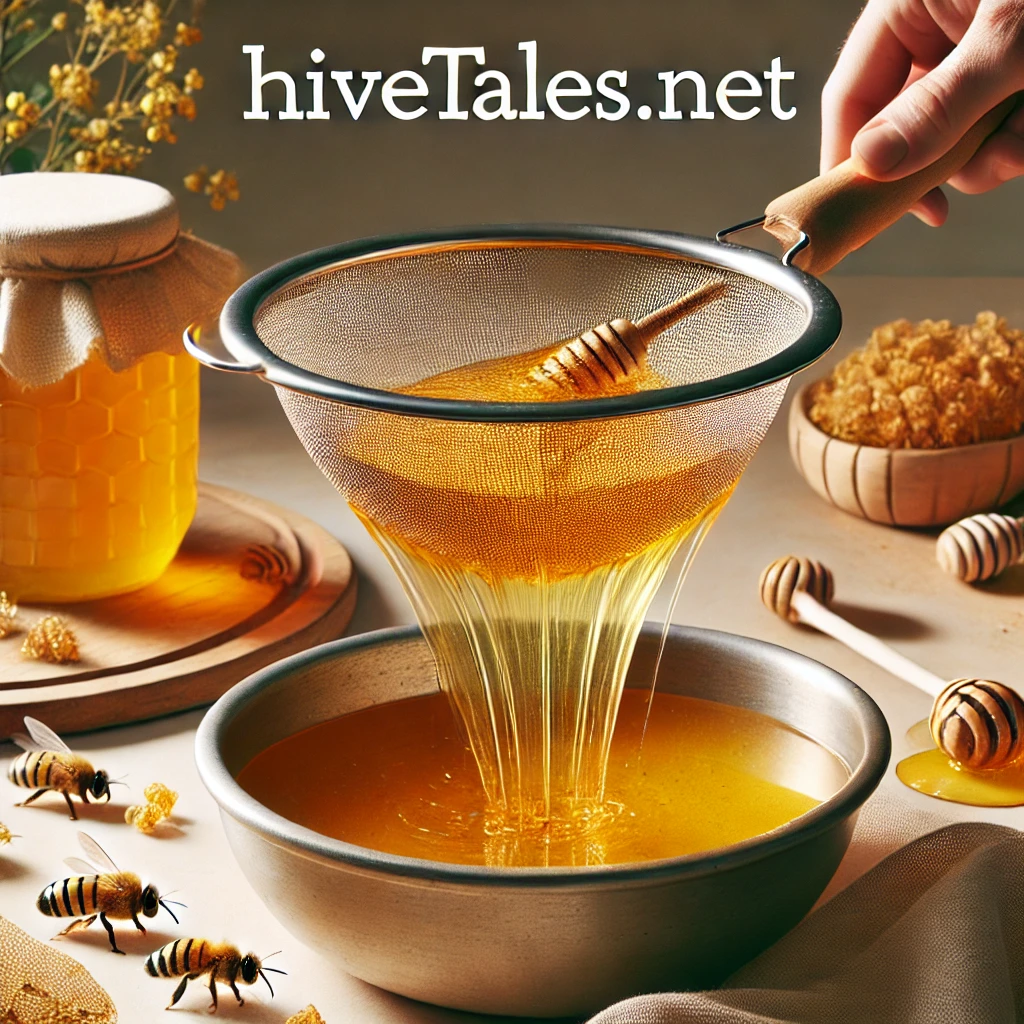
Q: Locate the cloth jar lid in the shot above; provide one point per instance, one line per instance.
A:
(95, 263)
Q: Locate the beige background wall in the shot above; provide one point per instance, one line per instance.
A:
(311, 183)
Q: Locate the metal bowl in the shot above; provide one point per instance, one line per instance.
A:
(548, 941)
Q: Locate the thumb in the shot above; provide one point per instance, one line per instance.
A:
(933, 113)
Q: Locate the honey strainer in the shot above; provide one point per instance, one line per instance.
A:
(339, 330)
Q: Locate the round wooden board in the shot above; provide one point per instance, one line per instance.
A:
(197, 631)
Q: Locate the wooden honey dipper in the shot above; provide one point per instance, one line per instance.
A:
(612, 352)
(975, 722)
(980, 547)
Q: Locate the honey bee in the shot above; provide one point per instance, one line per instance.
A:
(102, 891)
(189, 959)
(49, 764)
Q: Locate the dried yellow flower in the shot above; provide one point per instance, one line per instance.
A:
(186, 108)
(187, 35)
(221, 187)
(927, 385)
(51, 639)
(161, 132)
(160, 801)
(309, 1015)
(6, 835)
(14, 100)
(59, 21)
(8, 615)
(194, 81)
(74, 84)
(98, 128)
(196, 181)
(29, 112)
(16, 128)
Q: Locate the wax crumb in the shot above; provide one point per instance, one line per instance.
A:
(926, 385)
(160, 801)
(307, 1016)
(8, 615)
(51, 639)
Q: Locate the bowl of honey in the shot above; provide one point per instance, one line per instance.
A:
(355, 807)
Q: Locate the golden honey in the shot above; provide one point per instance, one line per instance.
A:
(400, 778)
(97, 478)
(531, 553)
(932, 772)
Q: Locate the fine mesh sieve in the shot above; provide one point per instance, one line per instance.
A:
(549, 483)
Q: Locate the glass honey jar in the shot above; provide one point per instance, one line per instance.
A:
(99, 403)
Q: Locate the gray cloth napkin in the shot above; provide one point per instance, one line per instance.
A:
(934, 934)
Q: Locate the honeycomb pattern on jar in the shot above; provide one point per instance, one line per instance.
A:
(97, 477)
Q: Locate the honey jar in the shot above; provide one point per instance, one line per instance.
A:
(99, 403)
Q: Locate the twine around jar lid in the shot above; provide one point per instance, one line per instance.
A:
(98, 263)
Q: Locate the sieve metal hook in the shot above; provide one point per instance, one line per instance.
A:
(787, 257)
(191, 340)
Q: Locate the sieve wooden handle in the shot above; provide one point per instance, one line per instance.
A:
(842, 210)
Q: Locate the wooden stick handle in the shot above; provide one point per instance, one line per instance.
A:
(842, 210)
(650, 326)
(814, 614)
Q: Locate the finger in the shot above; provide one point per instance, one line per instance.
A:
(932, 208)
(872, 68)
(931, 115)
(999, 159)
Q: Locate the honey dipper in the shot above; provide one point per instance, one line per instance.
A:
(612, 352)
(980, 547)
(975, 722)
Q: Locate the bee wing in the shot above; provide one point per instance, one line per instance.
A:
(25, 742)
(79, 866)
(96, 854)
(44, 737)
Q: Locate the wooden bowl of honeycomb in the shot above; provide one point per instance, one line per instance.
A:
(922, 426)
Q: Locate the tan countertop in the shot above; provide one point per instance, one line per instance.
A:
(887, 582)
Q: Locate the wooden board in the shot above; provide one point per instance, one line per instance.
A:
(184, 640)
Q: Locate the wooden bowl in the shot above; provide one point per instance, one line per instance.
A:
(904, 486)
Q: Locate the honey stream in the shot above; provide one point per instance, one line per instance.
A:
(531, 553)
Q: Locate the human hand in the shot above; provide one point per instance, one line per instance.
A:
(912, 78)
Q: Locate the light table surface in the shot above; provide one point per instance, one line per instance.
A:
(887, 582)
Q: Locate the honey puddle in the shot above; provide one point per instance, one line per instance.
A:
(931, 772)
(400, 778)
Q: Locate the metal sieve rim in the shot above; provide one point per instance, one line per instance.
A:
(238, 317)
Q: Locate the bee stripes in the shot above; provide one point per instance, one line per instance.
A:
(182, 956)
(31, 770)
(72, 897)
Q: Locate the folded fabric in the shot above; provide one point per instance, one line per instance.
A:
(934, 934)
(96, 263)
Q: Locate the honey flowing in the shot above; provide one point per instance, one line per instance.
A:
(97, 477)
(531, 553)
(402, 780)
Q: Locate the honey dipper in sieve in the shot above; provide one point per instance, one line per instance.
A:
(980, 547)
(975, 722)
(612, 352)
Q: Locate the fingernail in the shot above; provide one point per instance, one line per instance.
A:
(1006, 172)
(881, 148)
